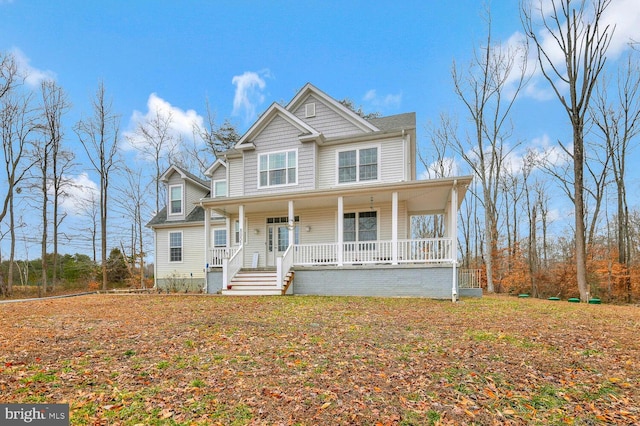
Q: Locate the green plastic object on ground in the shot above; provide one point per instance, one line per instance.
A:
(523, 295)
(573, 300)
(554, 298)
(594, 301)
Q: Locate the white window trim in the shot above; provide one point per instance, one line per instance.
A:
(181, 246)
(278, 152)
(213, 239)
(357, 181)
(378, 219)
(181, 186)
(216, 195)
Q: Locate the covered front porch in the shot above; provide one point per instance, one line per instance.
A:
(345, 229)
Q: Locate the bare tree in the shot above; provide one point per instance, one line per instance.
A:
(488, 89)
(99, 137)
(578, 34)
(155, 141)
(133, 203)
(54, 162)
(619, 123)
(210, 140)
(16, 127)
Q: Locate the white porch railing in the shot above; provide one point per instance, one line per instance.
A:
(469, 278)
(231, 266)
(284, 264)
(429, 250)
(219, 254)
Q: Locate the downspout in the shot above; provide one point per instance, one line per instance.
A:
(206, 252)
(454, 240)
(404, 156)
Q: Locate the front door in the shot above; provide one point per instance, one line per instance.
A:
(277, 242)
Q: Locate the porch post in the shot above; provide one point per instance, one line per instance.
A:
(292, 224)
(453, 234)
(207, 245)
(394, 228)
(241, 223)
(340, 229)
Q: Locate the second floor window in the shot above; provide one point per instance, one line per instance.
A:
(219, 188)
(175, 199)
(358, 165)
(278, 168)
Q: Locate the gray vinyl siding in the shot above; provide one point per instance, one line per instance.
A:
(326, 120)
(390, 162)
(235, 186)
(193, 196)
(278, 136)
(192, 255)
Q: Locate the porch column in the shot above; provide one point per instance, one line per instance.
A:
(241, 223)
(340, 229)
(394, 228)
(453, 234)
(292, 224)
(207, 245)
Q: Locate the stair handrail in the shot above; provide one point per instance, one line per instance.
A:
(284, 265)
(231, 266)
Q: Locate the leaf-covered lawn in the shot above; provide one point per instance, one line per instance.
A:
(149, 359)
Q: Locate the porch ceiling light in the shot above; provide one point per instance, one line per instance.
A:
(308, 228)
(256, 231)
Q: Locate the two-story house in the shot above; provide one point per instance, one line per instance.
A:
(313, 199)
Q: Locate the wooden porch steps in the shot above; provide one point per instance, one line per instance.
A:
(257, 282)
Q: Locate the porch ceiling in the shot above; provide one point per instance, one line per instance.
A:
(424, 196)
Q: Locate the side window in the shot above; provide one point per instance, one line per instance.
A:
(220, 188)
(175, 246)
(219, 237)
(175, 199)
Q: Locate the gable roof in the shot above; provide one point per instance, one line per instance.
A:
(184, 175)
(309, 89)
(212, 168)
(306, 132)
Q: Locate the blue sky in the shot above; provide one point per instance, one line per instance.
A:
(387, 56)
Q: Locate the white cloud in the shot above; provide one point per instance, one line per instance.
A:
(79, 194)
(383, 101)
(32, 76)
(249, 93)
(624, 15)
(181, 122)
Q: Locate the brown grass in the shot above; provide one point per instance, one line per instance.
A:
(152, 359)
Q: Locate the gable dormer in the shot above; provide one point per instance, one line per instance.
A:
(326, 115)
(183, 191)
(219, 176)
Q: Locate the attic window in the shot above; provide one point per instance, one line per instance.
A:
(310, 110)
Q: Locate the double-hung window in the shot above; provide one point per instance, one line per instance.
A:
(219, 237)
(358, 165)
(219, 188)
(360, 227)
(175, 199)
(175, 246)
(278, 168)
